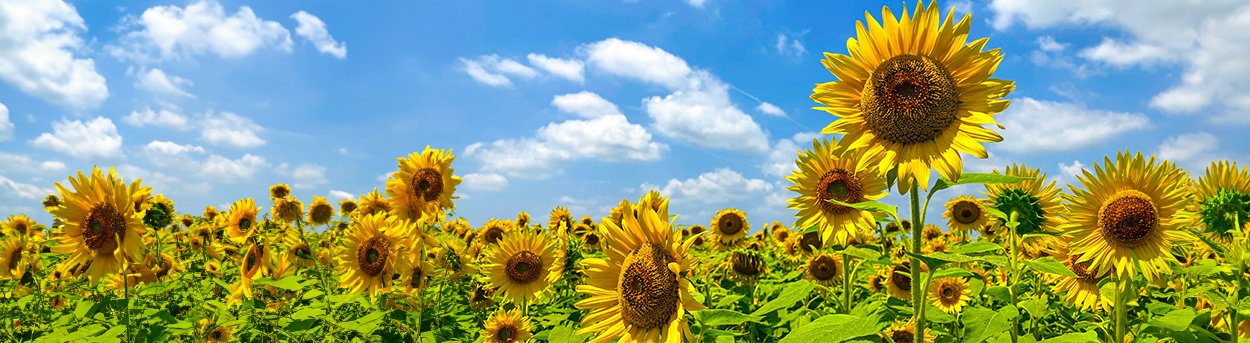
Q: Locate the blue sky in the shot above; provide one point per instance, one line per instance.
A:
(578, 103)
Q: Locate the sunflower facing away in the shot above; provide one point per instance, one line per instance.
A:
(423, 185)
(372, 252)
(101, 229)
(507, 327)
(524, 265)
(1126, 211)
(638, 293)
(1035, 202)
(1220, 194)
(747, 266)
(949, 294)
(965, 213)
(913, 93)
(828, 172)
(729, 226)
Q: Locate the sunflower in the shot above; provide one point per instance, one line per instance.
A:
(1035, 202)
(494, 230)
(897, 283)
(1221, 199)
(213, 267)
(591, 240)
(560, 221)
(747, 266)
(480, 297)
(588, 221)
(524, 265)
(655, 201)
(913, 94)
(826, 172)
(372, 202)
(1126, 214)
(507, 327)
(347, 207)
(824, 269)
(728, 226)
(965, 213)
(50, 203)
(287, 210)
(320, 212)
(19, 225)
(931, 232)
(17, 255)
(906, 332)
(372, 252)
(523, 219)
(638, 293)
(423, 185)
(810, 242)
(158, 212)
(949, 294)
(100, 226)
(256, 262)
(242, 220)
(417, 274)
(219, 333)
(780, 234)
(1081, 292)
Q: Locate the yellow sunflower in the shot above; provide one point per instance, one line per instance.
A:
(100, 228)
(897, 282)
(906, 332)
(417, 274)
(949, 294)
(914, 93)
(17, 255)
(823, 269)
(50, 203)
(507, 327)
(279, 190)
(639, 292)
(560, 221)
(372, 252)
(655, 201)
(372, 202)
(524, 265)
(964, 214)
(347, 207)
(728, 226)
(1221, 195)
(747, 266)
(256, 262)
(1126, 213)
(320, 212)
(1036, 203)
(218, 334)
(1081, 292)
(287, 210)
(19, 225)
(494, 230)
(827, 172)
(158, 212)
(781, 234)
(424, 184)
(242, 219)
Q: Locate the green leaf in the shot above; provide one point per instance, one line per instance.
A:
(1050, 265)
(1000, 292)
(792, 293)
(862, 253)
(719, 317)
(83, 308)
(1075, 337)
(1176, 320)
(563, 334)
(1036, 307)
(987, 179)
(832, 328)
(290, 283)
(951, 272)
(870, 206)
(308, 312)
(1205, 268)
(983, 323)
(978, 247)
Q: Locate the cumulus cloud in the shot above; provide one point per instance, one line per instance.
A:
(157, 82)
(229, 129)
(789, 46)
(1040, 125)
(6, 126)
(700, 196)
(484, 182)
(770, 109)
(1192, 151)
(39, 40)
(202, 27)
(572, 70)
(168, 154)
(337, 195)
(491, 70)
(225, 170)
(10, 189)
(314, 30)
(305, 175)
(18, 164)
(93, 139)
(637, 61)
(781, 157)
(585, 104)
(162, 118)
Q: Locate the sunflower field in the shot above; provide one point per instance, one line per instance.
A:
(1137, 250)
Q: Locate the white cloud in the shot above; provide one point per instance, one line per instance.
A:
(229, 129)
(157, 82)
(570, 69)
(337, 195)
(638, 61)
(697, 3)
(168, 154)
(585, 104)
(781, 157)
(484, 182)
(1192, 151)
(715, 187)
(172, 186)
(305, 175)
(1053, 54)
(789, 46)
(1206, 39)
(1040, 125)
(202, 27)
(96, 138)
(52, 166)
(608, 138)
(314, 30)
(6, 126)
(1048, 44)
(163, 118)
(1069, 173)
(38, 42)
(10, 189)
(490, 70)
(770, 109)
(222, 169)
(25, 165)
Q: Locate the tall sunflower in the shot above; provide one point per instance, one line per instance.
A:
(639, 292)
(101, 228)
(729, 226)
(424, 184)
(913, 94)
(826, 172)
(524, 265)
(560, 221)
(1126, 213)
(964, 214)
(507, 327)
(949, 294)
(372, 252)
(1220, 195)
(242, 219)
(1035, 201)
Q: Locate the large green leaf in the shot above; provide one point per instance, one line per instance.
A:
(983, 323)
(1075, 337)
(1050, 265)
(1177, 320)
(719, 317)
(832, 328)
(978, 179)
(791, 294)
(870, 206)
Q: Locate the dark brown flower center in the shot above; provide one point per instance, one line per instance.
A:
(321, 213)
(426, 183)
(729, 224)
(14, 257)
(648, 289)
(1081, 269)
(909, 99)
(902, 336)
(493, 234)
(782, 235)
(840, 185)
(506, 333)
(524, 267)
(1128, 219)
(966, 212)
(824, 268)
(417, 275)
(810, 242)
(373, 254)
(746, 264)
(104, 228)
(592, 239)
(948, 292)
(899, 280)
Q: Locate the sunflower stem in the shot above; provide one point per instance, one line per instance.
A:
(1241, 282)
(917, 295)
(1120, 315)
(1015, 273)
(846, 282)
(126, 294)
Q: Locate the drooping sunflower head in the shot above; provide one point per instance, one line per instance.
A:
(729, 226)
(524, 265)
(507, 327)
(373, 252)
(320, 212)
(1126, 214)
(638, 292)
(965, 213)
(827, 172)
(101, 228)
(480, 297)
(287, 210)
(949, 294)
(50, 203)
(824, 269)
(424, 184)
(1083, 291)
(747, 266)
(1221, 199)
(587, 220)
(810, 242)
(560, 221)
(931, 232)
(1035, 202)
(914, 93)
(243, 223)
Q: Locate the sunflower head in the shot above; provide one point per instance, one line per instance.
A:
(507, 327)
(898, 281)
(828, 172)
(906, 332)
(1221, 198)
(747, 266)
(949, 294)
(287, 210)
(372, 202)
(101, 228)
(824, 269)
(50, 203)
(242, 219)
(320, 212)
(1035, 202)
(158, 212)
(728, 226)
(560, 221)
(373, 252)
(524, 265)
(494, 230)
(218, 334)
(965, 213)
(423, 185)
(19, 225)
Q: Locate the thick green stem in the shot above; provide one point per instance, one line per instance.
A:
(846, 282)
(1121, 317)
(917, 294)
(1239, 273)
(1015, 273)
